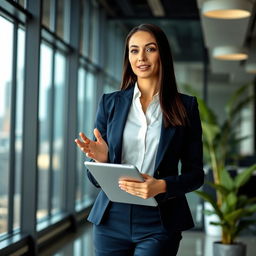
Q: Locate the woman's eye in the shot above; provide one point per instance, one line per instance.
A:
(151, 49)
(133, 51)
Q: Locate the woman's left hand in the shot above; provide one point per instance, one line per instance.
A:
(149, 188)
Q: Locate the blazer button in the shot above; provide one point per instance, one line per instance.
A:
(158, 173)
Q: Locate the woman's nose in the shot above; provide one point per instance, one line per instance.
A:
(142, 56)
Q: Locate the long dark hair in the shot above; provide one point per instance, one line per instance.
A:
(174, 112)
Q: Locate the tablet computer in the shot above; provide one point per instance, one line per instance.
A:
(108, 175)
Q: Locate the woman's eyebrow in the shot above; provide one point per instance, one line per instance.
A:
(136, 46)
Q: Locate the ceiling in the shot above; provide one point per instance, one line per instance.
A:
(181, 23)
(239, 33)
(190, 33)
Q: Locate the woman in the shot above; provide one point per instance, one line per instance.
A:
(152, 126)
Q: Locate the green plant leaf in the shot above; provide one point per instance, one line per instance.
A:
(225, 209)
(235, 215)
(232, 102)
(216, 223)
(244, 176)
(231, 200)
(208, 212)
(219, 188)
(206, 114)
(226, 180)
(240, 139)
(209, 199)
(210, 131)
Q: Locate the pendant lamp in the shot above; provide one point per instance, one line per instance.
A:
(227, 9)
(229, 53)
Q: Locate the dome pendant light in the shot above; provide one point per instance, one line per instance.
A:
(227, 9)
(229, 53)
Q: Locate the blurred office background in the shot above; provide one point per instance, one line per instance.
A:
(57, 57)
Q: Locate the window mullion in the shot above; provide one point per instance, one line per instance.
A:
(85, 118)
(71, 109)
(12, 132)
(29, 184)
(51, 133)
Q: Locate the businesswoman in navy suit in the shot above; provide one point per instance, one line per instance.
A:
(152, 126)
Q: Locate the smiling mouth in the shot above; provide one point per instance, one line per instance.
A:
(143, 67)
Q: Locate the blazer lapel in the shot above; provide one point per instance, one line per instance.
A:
(165, 139)
(123, 103)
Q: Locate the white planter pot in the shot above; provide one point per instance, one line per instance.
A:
(210, 229)
(238, 249)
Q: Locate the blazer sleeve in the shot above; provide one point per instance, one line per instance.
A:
(192, 174)
(101, 124)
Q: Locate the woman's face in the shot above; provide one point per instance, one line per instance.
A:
(144, 55)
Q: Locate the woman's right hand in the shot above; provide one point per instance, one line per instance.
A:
(97, 150)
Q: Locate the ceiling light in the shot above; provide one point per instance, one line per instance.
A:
(227, 9)
(229, 53)
(250, 68)
(156, 8)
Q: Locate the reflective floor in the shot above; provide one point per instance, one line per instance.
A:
(192, 244)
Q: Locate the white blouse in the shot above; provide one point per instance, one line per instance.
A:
(142, 134)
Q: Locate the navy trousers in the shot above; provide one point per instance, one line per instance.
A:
(133, 230)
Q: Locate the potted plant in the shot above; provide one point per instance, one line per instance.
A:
(220, 142)
(232, 211)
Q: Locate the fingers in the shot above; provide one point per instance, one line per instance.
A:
(97, 134)
(84, 138)
(84, 144)
(90, 155)
(146, 176)
(131, 184)
(134, 188)
(141, 194)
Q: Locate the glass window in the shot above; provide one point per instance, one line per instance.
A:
(19, 126)
(60, 18)
(43, 160)
(119, 54)
(94, 37)
(46, 14)
(111, 49)
(51, 133)
(58, 136)
(6, 29)
(82, 26)
(114, 52)
(89, 103)
(86, 109)
(85, 21)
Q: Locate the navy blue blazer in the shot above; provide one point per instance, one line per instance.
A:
(176, 144)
